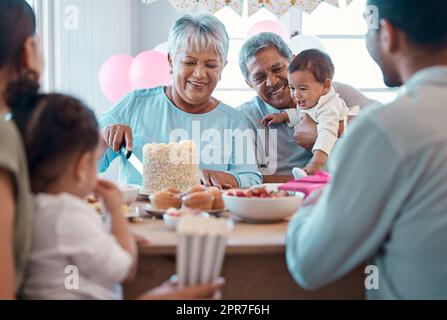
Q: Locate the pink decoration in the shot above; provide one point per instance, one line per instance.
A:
(269, 26)
(150, 69)
(309, 184)
(114, 77)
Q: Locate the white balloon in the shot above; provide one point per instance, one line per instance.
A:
(162, 47)
(300, 43)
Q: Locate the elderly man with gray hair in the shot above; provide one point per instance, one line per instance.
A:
(198, 50)
(264, 60)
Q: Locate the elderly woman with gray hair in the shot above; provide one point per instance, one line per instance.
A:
(198, 50)
(264, 60)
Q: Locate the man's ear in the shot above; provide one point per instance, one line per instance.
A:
(389, 36)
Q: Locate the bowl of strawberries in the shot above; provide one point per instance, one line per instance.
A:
(261, 204)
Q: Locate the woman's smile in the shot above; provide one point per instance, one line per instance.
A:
(197, 84)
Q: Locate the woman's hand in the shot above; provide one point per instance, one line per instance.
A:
(170, 291)
(118, 135)
(111, 196)
(218, 179)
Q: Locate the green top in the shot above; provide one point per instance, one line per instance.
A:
(13, 160)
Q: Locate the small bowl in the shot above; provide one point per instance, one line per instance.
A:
(264, 210)
(172, 221)
(129, 193)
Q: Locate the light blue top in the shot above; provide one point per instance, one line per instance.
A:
(155, 119)
(387, 201)
(284, 154)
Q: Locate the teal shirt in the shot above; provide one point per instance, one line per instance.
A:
(277, 150)
(387, 201)
(155, 119)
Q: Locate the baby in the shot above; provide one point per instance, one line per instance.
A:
(73, 256)
(310, 82)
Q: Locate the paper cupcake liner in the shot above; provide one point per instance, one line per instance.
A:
(201, 250)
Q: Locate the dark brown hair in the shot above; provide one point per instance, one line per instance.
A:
(422, 21)
(54, 129)
(17, 23)
(316, 62)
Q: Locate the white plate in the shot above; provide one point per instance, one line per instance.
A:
(216, 211)
(155, 212)
(131, 215)
(132, 212)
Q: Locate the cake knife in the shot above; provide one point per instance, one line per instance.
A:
(133, 160)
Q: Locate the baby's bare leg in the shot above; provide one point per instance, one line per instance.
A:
(317, 163)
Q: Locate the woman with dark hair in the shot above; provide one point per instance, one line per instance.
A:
(66, 230)
(21, 65)
(19, 54)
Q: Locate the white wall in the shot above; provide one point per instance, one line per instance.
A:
(151, 23)
(104, 30)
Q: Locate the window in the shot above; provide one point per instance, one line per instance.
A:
(74, 56)
(232, 89)
(342, 31)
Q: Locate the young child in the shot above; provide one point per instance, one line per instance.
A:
(72, 256)
(310, 81)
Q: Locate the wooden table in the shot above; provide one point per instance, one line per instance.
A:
(254, 266)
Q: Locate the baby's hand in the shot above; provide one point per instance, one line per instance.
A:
(275, 118)
(110, 194)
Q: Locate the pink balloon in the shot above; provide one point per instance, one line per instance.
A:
(114, 77)
(150, 69)
(269, 26)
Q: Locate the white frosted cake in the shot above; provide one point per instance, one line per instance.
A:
(173, 165)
